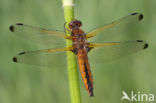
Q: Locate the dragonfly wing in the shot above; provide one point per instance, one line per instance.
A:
(115, 28)
(111, 51)
(48, 57)
(39, 35)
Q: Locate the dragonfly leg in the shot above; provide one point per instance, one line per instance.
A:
(67, 30)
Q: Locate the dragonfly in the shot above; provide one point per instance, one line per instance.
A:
(81, 45)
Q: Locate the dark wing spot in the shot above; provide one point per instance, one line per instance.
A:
(11, 28)
(14, 59)
(19, 24)
(139, 40)
(145, 46)
(21, 53)
(134, 13)
(140, 17)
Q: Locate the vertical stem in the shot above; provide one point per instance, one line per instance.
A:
(71, 59)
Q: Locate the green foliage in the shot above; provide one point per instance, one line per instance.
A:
(74, 85)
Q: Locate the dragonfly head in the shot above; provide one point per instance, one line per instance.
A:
(75, 24)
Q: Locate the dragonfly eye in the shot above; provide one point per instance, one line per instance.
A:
(74, 24)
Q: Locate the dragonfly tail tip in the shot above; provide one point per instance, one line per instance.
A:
(91, 94)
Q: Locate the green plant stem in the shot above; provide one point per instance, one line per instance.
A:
(71, 59)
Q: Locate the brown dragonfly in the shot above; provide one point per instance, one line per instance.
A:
(80, 46)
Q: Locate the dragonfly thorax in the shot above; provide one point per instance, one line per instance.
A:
(79, 43)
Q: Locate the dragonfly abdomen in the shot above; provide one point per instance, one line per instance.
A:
(85, 70)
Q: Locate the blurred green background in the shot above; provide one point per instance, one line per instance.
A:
(20, 83)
